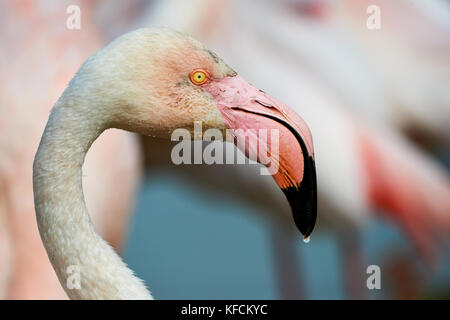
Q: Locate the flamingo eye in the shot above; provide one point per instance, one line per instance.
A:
(198, 77)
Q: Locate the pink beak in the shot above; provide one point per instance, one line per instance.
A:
(288, 153)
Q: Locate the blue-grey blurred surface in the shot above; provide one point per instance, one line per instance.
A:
(187, 245)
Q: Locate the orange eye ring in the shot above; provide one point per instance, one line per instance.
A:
(199, 77)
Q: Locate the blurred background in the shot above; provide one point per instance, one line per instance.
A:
(371, 79)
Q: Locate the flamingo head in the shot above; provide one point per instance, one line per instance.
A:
(160, 80)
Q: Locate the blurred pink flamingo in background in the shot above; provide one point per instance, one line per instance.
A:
(42, 57)
(366, 167)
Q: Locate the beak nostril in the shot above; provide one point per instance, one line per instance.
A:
(263, 104)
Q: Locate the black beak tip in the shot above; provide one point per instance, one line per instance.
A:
(303, 202)
(303, 210)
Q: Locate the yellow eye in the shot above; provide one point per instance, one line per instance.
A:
(198, 77)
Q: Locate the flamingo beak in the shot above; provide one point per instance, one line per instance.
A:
(274, 135)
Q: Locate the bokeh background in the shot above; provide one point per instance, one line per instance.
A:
(377, 101)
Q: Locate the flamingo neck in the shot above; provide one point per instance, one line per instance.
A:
(78, 254)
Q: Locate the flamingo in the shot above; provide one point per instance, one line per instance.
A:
(152, 81)
(35, 35)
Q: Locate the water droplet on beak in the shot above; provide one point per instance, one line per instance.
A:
(306, 239)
